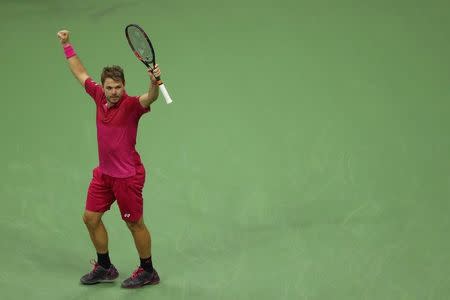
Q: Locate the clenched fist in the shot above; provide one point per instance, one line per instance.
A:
(63, 36)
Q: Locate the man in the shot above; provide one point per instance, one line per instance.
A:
(120, 175)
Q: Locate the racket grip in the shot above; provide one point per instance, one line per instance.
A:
(165, 93)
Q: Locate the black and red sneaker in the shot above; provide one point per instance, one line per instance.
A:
(100, 274)
(140, 277)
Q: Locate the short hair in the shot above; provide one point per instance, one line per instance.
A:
(114, 72)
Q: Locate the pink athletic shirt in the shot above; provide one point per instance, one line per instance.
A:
(116, 132)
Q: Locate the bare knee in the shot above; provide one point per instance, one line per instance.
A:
(136, 226)
(92, 219)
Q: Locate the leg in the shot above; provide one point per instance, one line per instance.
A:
(97, 230)
(129, 198)
(141, 236)
(145, 274)
(128, 193)
(99, 199)
(103, 271)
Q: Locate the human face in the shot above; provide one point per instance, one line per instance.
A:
(113, 90)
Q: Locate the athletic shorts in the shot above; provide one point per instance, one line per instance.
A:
(104, 190)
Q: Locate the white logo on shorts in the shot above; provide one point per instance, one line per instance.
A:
(126, 215)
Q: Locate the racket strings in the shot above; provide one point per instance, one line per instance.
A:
(139, 42)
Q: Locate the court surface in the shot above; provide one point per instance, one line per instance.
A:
(305, 156)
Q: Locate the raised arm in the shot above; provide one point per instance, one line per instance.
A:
(153, 90)
(75, 64)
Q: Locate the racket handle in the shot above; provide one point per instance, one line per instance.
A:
(165, 93)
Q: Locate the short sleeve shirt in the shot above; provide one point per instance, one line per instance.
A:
(116, 131)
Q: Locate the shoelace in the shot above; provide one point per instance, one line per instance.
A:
(136, 273)
(95, 264)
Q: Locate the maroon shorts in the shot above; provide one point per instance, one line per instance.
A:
(104, 190)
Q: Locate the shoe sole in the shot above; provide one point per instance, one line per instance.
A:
(100, 281)
(139, 286)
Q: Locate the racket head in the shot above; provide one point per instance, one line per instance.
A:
(140, 44)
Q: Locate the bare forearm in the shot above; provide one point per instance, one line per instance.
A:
(153, 92)
(74, 62)
(151, 96)
(77, 68)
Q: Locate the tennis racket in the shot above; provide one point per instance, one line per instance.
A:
(143, 49)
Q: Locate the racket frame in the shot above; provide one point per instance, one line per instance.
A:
(145, 62)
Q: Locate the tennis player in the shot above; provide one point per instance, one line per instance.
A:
(120, 174)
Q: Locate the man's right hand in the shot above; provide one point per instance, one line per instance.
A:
(75, 64)
(63, 36)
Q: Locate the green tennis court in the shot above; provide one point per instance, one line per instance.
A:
(305, 156)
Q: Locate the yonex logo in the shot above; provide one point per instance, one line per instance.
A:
(126, 215)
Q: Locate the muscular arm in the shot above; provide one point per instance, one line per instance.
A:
(78, 69)
(74, 61)
(151, 96)
(153, 91)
